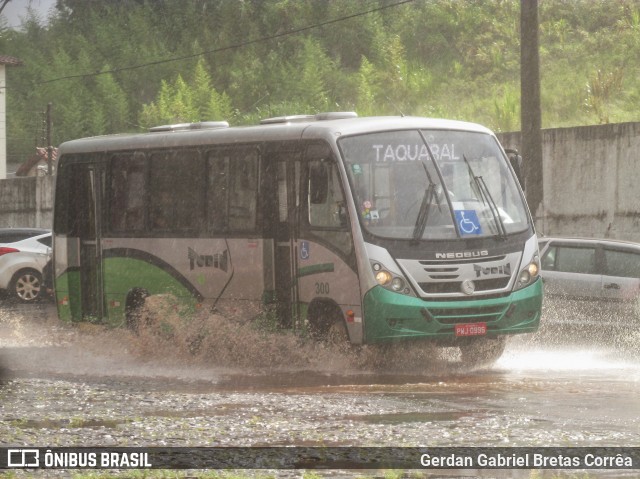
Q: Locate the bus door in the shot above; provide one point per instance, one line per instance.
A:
(88, 185)
(282, 220)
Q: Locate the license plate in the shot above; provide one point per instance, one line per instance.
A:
(472, 329)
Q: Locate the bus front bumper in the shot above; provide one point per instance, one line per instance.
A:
(392, 316)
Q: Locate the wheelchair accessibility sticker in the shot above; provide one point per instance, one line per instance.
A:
(468, 222)
(304, 250)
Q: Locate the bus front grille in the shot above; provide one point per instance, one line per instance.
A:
(449, 287)
(463, 315)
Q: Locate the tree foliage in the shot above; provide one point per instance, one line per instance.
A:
(182, 102)
(125, 65)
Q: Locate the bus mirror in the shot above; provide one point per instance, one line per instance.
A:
(516, 163)
(318, 183)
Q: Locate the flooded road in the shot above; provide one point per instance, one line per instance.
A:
(86, 386)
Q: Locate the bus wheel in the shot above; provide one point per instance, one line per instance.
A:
(326, 323)
(480, 352)
(133, 308)
(337, 334)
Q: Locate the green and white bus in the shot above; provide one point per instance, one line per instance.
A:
(380, 229)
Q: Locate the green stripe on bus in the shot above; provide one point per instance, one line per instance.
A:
(315, 269)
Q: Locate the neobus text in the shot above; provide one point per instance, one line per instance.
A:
(462, 254)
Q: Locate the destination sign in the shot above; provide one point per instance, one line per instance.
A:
(419, 152)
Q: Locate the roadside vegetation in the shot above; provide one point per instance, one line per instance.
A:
(126, 65)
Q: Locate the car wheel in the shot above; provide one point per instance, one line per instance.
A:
(26, 285)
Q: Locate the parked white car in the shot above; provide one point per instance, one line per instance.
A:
(591, 281)
(24, 252)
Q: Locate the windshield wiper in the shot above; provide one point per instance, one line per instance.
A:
(423, 214)
(487, 199)
(429, 195)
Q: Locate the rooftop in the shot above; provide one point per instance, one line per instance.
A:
(11, 61)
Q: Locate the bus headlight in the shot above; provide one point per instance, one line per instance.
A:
(383, 277)
(397, 284)
(391, 281)
(528, 274)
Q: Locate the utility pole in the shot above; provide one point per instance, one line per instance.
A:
(49, 147)
(530, 110)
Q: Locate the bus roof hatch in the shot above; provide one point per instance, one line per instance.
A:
(330, 115)
(202, 125)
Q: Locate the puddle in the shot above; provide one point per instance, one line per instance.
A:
(75, 423)
(219, 410)
(400, 418)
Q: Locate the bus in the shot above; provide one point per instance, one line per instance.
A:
(375, 230)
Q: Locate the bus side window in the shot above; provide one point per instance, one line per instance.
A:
(244, 191)
(318, 183)
(176, 191)
(327, 207)
(217, 192)
(232, 195)
(128, 187)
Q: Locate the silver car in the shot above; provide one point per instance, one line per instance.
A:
(24, 252)
(591, 281)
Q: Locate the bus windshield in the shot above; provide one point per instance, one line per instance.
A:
(433, 184)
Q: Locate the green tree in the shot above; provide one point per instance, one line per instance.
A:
(183, 102)
(315, 66)
(210, 104)
(112, 101)
(116, 64)
(600, 90)
(507, 111)
(366, 81)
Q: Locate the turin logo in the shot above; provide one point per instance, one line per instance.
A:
(218, 260)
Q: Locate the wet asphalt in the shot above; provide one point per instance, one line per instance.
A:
(86, 386)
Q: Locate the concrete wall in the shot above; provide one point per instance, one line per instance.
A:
(591, 176)
(3, 123)
(26, 202)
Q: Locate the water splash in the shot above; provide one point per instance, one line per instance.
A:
(208, 346)
(567, 342)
